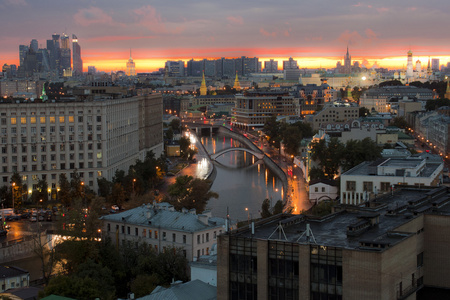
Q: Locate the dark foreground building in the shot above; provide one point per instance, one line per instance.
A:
(388, 249)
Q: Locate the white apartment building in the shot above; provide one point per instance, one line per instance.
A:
(13, 278)
(41, 140)
(368, 179)
(161, 226)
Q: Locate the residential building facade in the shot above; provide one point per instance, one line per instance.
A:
(42, 140)
(160, 226)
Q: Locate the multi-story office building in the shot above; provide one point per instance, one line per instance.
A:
(77, 61)
(253, 108)
(389, 249)
(96, 137)
(131, 67)
(435, 64)
(53, 48)
(369, 179)
(65, 53)
(335, 113)
(271, 66)
(160, 226)
(194, 68)
(175, 68)
(23, 49)
(290, 64)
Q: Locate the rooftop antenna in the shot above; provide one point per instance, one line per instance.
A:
(309, 235)
(280, 231)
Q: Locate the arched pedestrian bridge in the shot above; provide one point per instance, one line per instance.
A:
(258, 155)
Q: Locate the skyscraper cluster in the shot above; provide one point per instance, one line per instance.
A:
(56, 58)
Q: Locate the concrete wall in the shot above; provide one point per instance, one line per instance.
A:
(223, 267)
(19, 249)
(361, 275)
(436, 255)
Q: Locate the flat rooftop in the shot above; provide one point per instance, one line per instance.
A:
(351, 227)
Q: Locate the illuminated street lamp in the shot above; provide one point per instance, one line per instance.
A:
(248, 215)
(14, 187)
(134, 180)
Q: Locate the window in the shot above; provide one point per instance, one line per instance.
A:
(420, 259)
(156, 234)
(184, 239)
(323, 189)
(385, 186)
(368, 186)
(316, 189)
(164, 236)
(174, 237)
(128, 229)
(351, 185)
(99, 118)
(198, 238)
(150, 233)
(207, 237)
(136, 231)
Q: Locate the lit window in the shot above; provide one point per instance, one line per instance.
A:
(23, 120)
(42, 120)
(33, 120)
(71, 119)
(13, 121)
(52, 120)
(61, 119)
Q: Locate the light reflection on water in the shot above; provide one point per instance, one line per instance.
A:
(241, 181)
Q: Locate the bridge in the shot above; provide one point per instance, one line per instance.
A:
(258, 155)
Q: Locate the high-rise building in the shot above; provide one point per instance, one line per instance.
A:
(65, 53)
(34, 45)
(92, 70)
(194, 67)
(54, 138)
(77, 61)
(271, 66)
(54, 53)
(175, 68)
(250, 65)
(435, 64)
(23, 49)
(131, 67)
(290, 64)
(347, 63)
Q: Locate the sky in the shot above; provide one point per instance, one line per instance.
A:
(316, 33)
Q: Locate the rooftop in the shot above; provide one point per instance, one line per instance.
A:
(195, 289)
(163, 215)
(372, 227)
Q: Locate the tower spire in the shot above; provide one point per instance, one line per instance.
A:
(237, 85)
(203, 88)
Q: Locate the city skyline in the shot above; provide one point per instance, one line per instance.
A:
(378, 32)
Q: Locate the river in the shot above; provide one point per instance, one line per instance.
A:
(242, 181)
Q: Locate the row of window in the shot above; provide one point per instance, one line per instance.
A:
(148, 233)
(43, 120)
(62, 129)
(368, 186)
(43, 148)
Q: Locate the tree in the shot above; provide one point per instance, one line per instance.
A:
(400, 122)
(104, 187)
(190, 192)
(272, 128)
(291, 139)
(41, 192)
(184, 146)
(17, 188)
(363, 111)
(168, 134)
(175, 124)
(118, 195)
(328, 155)
(279, 207)
(144, 284)
(64, 192)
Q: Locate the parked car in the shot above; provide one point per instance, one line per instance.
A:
(33, 219)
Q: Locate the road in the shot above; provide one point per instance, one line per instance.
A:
(297, 196)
